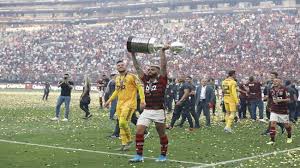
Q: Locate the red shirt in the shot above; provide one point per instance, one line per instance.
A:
(278, 93)
(254, 90)
(155, 91)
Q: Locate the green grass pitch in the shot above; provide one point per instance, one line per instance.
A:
(25, 118)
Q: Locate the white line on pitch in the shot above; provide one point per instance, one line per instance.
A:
(92, 151)
(246, 158)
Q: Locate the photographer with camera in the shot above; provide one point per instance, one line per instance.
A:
(65, 97)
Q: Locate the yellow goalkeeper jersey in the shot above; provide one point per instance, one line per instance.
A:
(229, 87)
(126, 90)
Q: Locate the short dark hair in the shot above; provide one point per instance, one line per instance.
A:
(189, 77)
(288, 82)
(231, 72)
(67, 74)
(274, 73)
(251, 78)
(211, 80)
(120, 61)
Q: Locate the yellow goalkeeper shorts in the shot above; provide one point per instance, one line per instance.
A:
(230, 107)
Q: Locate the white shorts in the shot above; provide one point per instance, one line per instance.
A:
(148, 116)
(280, 118)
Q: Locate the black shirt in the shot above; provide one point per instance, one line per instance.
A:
(47, 87)
(215, 88)
(192, 98)
(268, 87)
(293, 93)
(86, 94)
(180, 91)
(65, 89)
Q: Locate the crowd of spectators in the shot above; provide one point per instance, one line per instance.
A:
(250, 43)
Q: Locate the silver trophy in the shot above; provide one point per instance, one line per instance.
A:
(150, 45)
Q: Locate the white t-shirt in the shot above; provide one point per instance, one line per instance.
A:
(203, 92)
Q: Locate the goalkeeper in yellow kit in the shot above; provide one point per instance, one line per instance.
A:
(231, 101)
(127, 85)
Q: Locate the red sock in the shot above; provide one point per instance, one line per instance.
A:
(272, 133)
(164, 145)
(139, 143)
(289, 131)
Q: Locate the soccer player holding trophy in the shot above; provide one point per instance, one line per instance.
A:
(155, 83)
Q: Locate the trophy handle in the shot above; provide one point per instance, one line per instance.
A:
(177, 47)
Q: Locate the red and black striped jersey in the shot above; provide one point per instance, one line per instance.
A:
(155, 91)
(278, 93)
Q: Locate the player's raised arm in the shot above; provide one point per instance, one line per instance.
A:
(163, 60)
(137, 66)
(140, 89)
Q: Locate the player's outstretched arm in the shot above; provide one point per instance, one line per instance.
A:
(112, 97)
(142, 96)
(163, 60)
(137, 66)
(140, 88)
